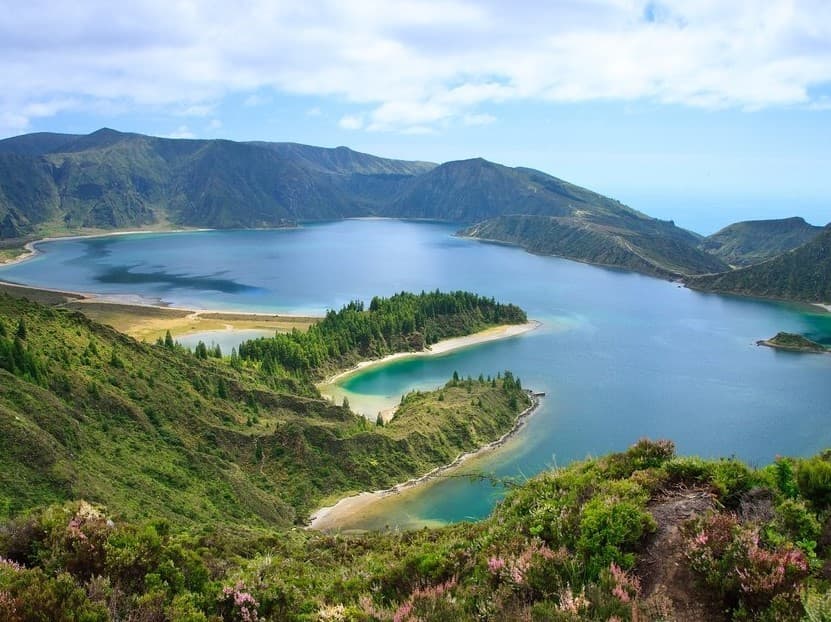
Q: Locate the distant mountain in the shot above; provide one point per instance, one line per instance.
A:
(547, 215)
(112, 180)
(754, 241)
(802, 274)
(35, 144)
(470, 191)
(637, 243)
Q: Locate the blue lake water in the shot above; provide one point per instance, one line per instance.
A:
(620, 356)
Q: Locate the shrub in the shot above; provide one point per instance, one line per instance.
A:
(731, 559)
(814, 479)
(796, 521)
(610, 532)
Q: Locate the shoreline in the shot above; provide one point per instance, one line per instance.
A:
(145, 321)
(331, 517)
(494, 333)
(31, 247)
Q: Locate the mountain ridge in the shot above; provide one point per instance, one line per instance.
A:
(754, 241)
(116, 180)
(802, 274)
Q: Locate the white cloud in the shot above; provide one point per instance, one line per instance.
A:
(478, 119)
(351, 122)
(416, 63)
(198, 110)
(215, 124)
(181, 132)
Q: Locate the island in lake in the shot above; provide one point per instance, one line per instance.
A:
(793, 343)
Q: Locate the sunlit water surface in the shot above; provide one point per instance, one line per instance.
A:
(620, 356)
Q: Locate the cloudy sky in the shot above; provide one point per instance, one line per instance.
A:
(724, 107)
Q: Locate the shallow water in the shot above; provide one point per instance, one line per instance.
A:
(620, 356)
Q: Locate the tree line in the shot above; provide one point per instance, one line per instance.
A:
(404, 322)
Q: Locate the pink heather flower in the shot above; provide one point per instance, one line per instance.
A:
(403, 612)
(571, 602)
(626, 585)
(244, 602)
(10, 564)
(517, 575)
(621, 594)
(495, 564)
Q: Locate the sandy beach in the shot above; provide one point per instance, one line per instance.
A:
(147, 321)
(823, 305)
(331, 517)
(442, 347)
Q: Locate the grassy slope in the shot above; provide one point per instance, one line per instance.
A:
(751, 242)
(802, 274)
(586, 542)
(626, 241)
(113, 180)
(152, 431)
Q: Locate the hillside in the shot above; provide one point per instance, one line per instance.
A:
(626, 240)
(803, 274)
(108, 180)
(754, 241)
(154, 431)
(113, 180)
(641, 535)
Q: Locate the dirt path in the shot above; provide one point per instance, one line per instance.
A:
(662, 568)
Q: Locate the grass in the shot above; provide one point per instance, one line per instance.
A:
(147, 323)
(155, 431)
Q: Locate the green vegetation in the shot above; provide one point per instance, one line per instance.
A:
(402, 323)
(754, 241)
(796, 343)
(640, 535)
(52, 184)
(802, 274)
(108, 180)
(622, 239)
(155, 431)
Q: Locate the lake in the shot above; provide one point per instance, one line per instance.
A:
(621, 356)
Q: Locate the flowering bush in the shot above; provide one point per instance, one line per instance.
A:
(731, 559)
(235, 603)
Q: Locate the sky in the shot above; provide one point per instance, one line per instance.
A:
(701, 111)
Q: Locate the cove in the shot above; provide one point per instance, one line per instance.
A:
(620, 355)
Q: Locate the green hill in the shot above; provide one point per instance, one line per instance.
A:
(52, 184)
(113, 180)
(154, 431)
(626, 240)
(642, 535)
(802, 274)
(754, 241)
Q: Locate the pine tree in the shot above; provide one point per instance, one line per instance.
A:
(168, 340)
(21, 330)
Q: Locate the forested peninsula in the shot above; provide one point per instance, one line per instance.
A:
(154, 430)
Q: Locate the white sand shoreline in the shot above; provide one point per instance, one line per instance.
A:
(331, 517)
(823, 305)
(445, 346)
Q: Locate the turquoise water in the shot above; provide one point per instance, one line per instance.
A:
(225, 339)
(620, 356)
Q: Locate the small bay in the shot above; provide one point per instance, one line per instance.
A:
(620, 355)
